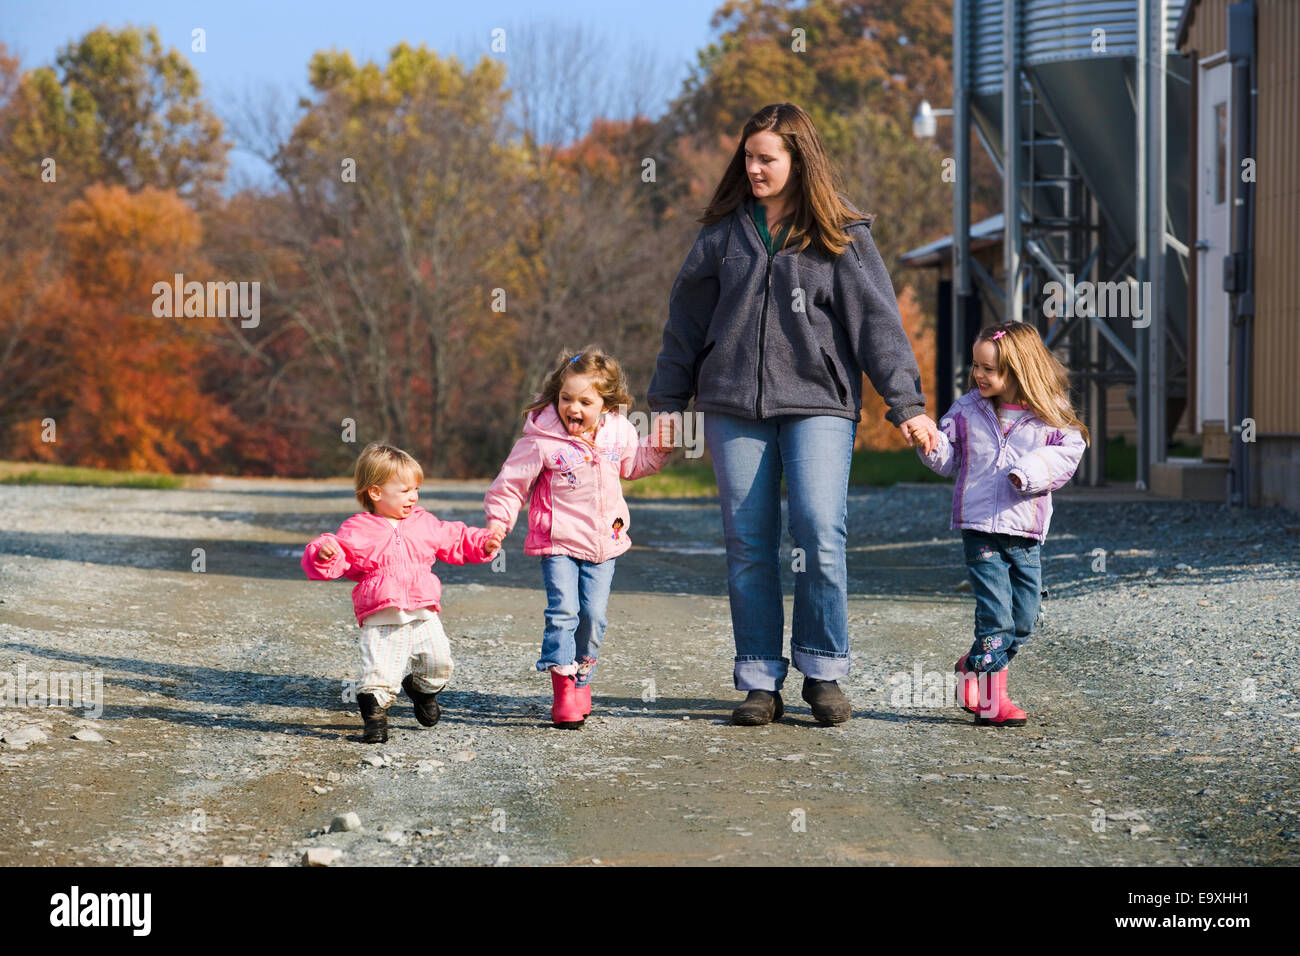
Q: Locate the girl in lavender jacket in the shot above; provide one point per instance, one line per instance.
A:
(576, 446)
(1011, 440)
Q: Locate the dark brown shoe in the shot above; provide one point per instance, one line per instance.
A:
(828, 703)
(427, 710)
(376, 719)
(760, 707)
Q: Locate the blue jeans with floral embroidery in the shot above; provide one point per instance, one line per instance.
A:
(1006, 577)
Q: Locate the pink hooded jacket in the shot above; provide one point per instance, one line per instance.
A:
(572, 489)
(391, 563)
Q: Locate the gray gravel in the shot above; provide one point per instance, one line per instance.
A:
(1163, 709)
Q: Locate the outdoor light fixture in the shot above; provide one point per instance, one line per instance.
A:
(923, 124)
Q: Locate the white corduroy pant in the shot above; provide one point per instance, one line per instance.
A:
(389, 650)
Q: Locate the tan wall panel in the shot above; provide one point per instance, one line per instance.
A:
(1208, 33)
(1276, 382)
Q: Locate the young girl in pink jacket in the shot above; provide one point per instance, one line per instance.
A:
(387, 550)
(576, 446)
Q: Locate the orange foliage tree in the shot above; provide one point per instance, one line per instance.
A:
(874, 432)
(122, 386)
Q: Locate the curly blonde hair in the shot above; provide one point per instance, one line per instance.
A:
(604, 371)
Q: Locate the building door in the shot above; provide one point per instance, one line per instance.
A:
(1214, 220)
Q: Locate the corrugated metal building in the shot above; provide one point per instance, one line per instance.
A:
(1217, 109)
(1131, 152)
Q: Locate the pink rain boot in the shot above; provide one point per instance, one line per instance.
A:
(585, 665)
(968, 691)
(565, 710)
(1000, 712)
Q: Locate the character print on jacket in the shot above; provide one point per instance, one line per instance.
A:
(565, 461)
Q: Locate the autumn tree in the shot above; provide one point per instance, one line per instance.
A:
(874, 431)
(123, 383)
(396, 216)
(28, 212)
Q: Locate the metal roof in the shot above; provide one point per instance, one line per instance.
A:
(989, 229)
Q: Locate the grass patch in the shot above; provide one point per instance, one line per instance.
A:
(1121, 458)
(681, 479)
(27, 473)
(874, 468)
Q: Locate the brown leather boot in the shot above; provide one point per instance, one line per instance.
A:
(376, 719)
(427, 710)
(760, 707)
(828, 703)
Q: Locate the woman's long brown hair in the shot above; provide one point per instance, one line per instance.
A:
(820, 212)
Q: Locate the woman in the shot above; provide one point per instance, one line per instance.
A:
(782, 304)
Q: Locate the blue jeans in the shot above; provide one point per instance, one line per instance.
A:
(749, 458)
(577, 593)
(1006, 577)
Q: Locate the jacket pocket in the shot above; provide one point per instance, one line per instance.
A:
(835, 377)
(699, 364)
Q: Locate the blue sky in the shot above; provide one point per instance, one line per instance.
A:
(258, 47)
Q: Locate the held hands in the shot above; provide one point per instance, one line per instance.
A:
(920, 429)
(664, 432)
(496, 536)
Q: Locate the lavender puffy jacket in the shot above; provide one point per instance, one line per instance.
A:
(973, 447)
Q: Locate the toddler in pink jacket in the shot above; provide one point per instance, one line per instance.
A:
(388, 551)
(576, 446)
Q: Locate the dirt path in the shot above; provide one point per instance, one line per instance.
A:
(227, 736)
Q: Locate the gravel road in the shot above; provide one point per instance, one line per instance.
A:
(1163, 707)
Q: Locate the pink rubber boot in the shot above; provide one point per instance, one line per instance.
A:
(968, 691)
(999, 712)
(584, 699)
(565, 710)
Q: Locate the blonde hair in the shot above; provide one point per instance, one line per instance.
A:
(819, 213)
(376, 464)
(604, 371)
(1039, 376)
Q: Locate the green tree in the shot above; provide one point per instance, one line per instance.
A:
(118, 108)
(834, 59)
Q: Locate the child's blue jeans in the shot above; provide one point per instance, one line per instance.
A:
(1005, 577)
(577, 593)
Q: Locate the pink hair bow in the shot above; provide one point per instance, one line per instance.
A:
(998, 334)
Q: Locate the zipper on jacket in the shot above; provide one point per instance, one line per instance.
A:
(762, 336)
(401, 556)
(594, 453)
(600, 499)
(1004, 439)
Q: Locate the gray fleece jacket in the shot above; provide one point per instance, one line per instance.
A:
(758, 335)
